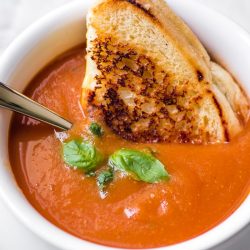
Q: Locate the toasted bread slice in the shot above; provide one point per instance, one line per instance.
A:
(232, 91)
(161, 10)
(149, 78)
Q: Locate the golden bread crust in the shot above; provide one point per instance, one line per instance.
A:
(156, 87)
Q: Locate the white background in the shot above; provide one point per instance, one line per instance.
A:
(16, 15)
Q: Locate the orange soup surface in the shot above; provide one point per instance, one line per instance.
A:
(207, 183)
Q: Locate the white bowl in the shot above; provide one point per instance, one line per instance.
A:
(63, 29)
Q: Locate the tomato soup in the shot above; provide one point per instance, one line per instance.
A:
(206, 184)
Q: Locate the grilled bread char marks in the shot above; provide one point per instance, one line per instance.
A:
(147, 84)
(139, 100)
(162, 24)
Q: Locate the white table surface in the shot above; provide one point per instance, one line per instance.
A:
(15, 15)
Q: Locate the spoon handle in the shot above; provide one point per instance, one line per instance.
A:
(20, 103)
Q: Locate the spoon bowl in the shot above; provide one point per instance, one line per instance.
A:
(15, 101)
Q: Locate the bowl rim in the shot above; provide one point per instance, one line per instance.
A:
(56, 236)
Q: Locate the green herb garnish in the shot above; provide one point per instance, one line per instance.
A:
(104, 178)
(96, 129)
(141, 166)
(81, 154)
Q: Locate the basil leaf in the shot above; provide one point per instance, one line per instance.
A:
(139, 165)
(104, 178)
(96, 129)
(81, 154)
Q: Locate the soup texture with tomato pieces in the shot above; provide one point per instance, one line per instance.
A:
(88, 183)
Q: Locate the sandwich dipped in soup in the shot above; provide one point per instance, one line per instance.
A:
(159, 150)
(151, 80)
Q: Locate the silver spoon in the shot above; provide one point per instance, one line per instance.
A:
(20, 103)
